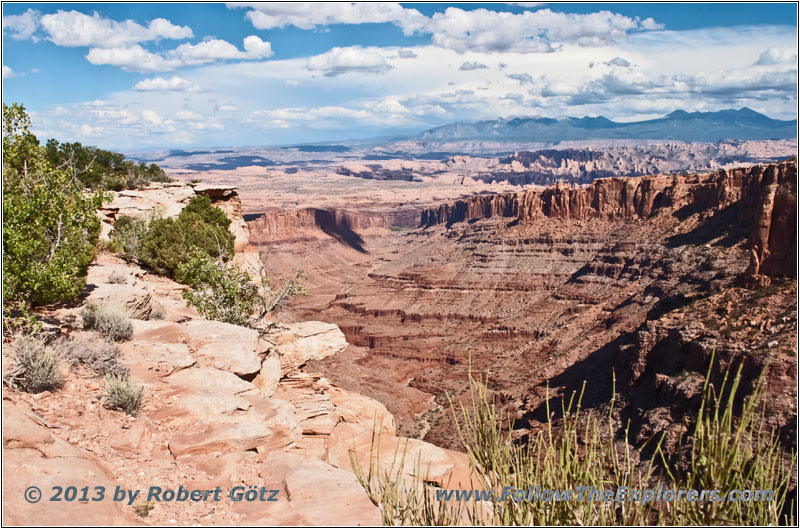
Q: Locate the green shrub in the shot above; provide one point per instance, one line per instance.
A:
(37, 367)
(122, 394)
(97, 168)
(110, 321)
(127, 235)
(219, 291)
(50, 226)
(169, 242)
(99, 356)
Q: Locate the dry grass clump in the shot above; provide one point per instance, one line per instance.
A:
(122, 394)
(99, 356)
(116, 278)
(37, 367)
(110, 321)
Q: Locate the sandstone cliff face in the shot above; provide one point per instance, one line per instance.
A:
(769, 193)
(169, 199)
(312, 223)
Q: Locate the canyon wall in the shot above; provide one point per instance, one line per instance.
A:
(344, 226)
(768, 192)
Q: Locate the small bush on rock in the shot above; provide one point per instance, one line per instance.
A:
(99, 356)
(112, 322)
(37, 368)
(123, 395)
(116, 278)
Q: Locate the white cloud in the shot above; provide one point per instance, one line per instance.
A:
(8, 73)
(73, 28)
(21, 27)
(774, 56)
(522, 78)
(308, 15)
(152, 116)
(538, 31)
(216, 49)
(291, 83)
(338, 61)
(88, 130)
(133, 58)
(227, 108)
(618, 61)
(137, 59)
(406, 54)
(472, 65)
(186, 115)
(159, 84)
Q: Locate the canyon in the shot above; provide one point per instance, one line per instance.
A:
(626, 283)
(625, 289)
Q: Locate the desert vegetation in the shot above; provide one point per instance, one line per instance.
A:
(728, 448)
(110, 321)
(98, 168)
(50, 225)
(37, 369)
(122, 393)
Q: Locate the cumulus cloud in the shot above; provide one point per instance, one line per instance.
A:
(309, 15)
(8, 72)
(522, 78)
(186, 115)
(137, 59)
(73, 28)
(467, 66)
(406, 54)
(291, 83)
(774, 56)
(618, 61)
(540, 31)
(159, 84)
(352, 59)
(21, 27)
(133, 58)
(88, 130)
(215, 49)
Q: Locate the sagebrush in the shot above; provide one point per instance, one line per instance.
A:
(37, 367)
(122, 393)
(109, 320)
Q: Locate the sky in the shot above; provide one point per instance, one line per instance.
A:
(178, 75)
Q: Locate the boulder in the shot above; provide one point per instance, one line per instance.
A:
(298, 343)
(225, 346)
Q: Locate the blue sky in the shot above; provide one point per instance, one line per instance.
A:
(130, 76)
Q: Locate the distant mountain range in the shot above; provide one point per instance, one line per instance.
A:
(742, 124)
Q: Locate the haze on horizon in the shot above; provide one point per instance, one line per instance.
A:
(131, 76)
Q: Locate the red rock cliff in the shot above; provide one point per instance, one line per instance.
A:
(769, 193)
(302, 223)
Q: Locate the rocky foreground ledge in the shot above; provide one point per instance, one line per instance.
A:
(223, 407)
